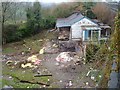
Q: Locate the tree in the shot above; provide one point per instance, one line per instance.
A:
(34, 18)
(103, 13)
(5, 16)
(86, 9)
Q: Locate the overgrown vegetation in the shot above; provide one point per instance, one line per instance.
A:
(34, 18)
(91, 50)
(116, 40)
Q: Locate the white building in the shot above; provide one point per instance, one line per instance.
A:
(77, 27)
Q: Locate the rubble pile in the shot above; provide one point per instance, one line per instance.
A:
(64, 57)
(31, 62)
(50, 48)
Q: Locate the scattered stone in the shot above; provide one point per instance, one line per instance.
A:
(92, 77)
(57, 64)
(23, 53)
(10, 77)
(40, 40)
(42, 50)
(86, 83)
(54, 45)
(28, 87)
(27, 65)
(44, 86)
(33, 58)
(48, 80)
(70, 83)
(84, 63)
(60, 80)
(100, 76)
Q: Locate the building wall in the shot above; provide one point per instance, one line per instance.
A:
(76, 30)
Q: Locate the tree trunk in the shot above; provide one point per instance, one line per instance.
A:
(3, 31)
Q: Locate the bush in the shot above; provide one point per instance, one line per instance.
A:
(14, 33)
(24, 30)
(11, 33)
(91, 50)
(47, 22)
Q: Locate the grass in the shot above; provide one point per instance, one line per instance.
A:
(8, 50)
(31, 42)
(22, 74)
(17, 47)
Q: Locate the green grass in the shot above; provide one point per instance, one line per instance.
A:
(16, 47)
(31, 42)
(8, 50)
(19, 85)
(28, 75)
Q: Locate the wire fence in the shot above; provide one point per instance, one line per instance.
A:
(106, 60)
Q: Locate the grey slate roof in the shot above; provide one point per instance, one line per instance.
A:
(75, 17)
(69, 20)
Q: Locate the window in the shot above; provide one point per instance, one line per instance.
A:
(87, 34)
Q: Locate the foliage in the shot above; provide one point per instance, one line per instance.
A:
(48, 22)
(88, 9)
(90, 14)
(12, 33)
(91, 50)
(116, 38)
(34, 18)
(103, 13)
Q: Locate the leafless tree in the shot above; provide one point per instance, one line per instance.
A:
(103, 12)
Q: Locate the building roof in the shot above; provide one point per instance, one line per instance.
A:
(102, 25)
(75, 17)
(64, 22)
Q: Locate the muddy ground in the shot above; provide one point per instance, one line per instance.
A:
(62, 74)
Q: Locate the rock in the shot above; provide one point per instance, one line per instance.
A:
(40, 40)
(32, 58)
(70, 83)
(42, 50)
(27, 65)
(86, 83)
(10, 77)
(44, 86)
(60, 80)
(92, 77)
(28, 87)
(100, 76)
(48, 79)
(23, 53)
(57, 64)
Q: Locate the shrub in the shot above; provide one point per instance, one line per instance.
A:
(91, 50)
(15, 32)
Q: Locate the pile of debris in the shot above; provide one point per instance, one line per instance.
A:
(64, 57)
(64, 35)
(49, 48)
(31, 62)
